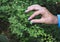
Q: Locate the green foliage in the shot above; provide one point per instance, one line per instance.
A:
(14, 11)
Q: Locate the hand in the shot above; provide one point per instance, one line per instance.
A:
(47, 17)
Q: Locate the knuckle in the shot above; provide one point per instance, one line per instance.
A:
(44, 7)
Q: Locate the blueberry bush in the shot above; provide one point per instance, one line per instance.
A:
(17, 27)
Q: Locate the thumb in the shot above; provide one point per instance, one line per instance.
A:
(38, 20)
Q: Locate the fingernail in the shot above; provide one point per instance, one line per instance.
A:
(26, 11)
(31, 22)
(28, 18)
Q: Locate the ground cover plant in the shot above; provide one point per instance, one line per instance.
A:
(17, 28)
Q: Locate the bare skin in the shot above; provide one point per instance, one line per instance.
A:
(47, 17)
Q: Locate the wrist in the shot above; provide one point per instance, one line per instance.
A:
(56, 20)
